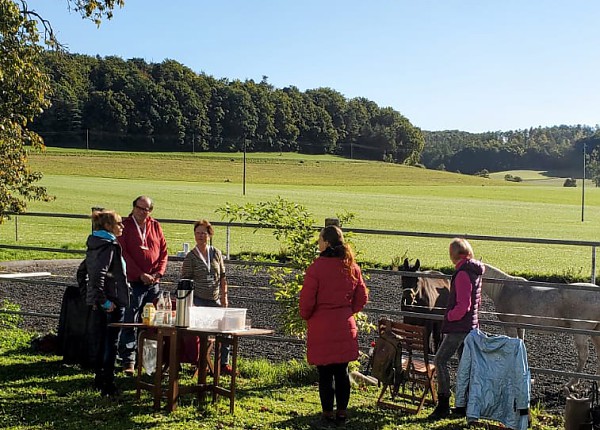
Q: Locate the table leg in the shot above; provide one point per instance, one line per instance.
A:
(140, 363)
(217, 366)
(233, 374)
(173, 391)
(202, 367)
(157, 389)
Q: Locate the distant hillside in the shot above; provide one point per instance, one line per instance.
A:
(131, 105)
(543, 148)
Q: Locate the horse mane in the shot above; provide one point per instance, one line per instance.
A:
(493, 288)
(494, 272)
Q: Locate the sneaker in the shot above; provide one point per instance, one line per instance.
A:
(129, 369)
(226, 369)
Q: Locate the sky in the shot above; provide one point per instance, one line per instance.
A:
(471, 65)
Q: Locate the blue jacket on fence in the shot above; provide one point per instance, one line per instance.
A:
(493, 379)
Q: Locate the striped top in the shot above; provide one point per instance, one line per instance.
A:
(206, 282)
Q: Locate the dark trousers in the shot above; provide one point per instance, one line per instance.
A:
(140, 295)
(215, 304)
(334, 382)
(453, 342)
(107, 351)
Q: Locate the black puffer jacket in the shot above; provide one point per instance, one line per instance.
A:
(107, 280)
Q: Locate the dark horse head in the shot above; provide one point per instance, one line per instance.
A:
(424, 295)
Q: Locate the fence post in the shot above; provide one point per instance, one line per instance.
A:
(593, 264)
(227, 236)
(332, 221)
(95, 209)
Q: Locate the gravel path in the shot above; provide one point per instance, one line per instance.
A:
(545, 350)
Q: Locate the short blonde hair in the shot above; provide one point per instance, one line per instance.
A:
(460, 247)
(100, 219)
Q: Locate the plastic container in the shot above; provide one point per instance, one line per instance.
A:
(214, 318)
(234, 319)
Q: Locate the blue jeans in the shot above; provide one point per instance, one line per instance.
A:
(453, 342)
(215, 304)
(105, 368)
(140, 295)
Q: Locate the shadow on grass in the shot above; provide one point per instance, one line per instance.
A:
(43, 393)
(372, 419)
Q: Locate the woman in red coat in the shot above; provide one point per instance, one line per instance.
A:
(332, 293)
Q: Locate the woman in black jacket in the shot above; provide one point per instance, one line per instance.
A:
(107, 293)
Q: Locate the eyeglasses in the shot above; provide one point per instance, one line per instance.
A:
(144, 209)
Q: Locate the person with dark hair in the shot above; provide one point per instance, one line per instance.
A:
(462, 315)
(145, 252)
(333, 291)
(204, 264)
(107, 293)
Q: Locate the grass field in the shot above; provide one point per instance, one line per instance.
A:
(383, 196)
(540, 177)
(37, 392)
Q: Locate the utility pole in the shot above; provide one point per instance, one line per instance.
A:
(583, 184)
(244, 181)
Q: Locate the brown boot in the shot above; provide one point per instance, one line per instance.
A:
(325, 421)
(341, 415)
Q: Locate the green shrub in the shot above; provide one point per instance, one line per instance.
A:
(14, 339)
(9, 320)
(292, 226)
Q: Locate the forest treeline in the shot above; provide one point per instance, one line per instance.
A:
(558, 148)
(116, 104)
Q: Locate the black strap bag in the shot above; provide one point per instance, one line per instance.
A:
(387, 360)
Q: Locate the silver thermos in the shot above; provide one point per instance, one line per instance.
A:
(185, 299)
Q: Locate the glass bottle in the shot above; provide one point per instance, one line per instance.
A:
(160, 310)
(168, 308)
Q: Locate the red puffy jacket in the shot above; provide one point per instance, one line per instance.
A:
(328, 300)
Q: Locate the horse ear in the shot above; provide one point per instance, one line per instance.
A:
(417, 265)
(406, 265)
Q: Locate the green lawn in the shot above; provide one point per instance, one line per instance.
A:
(382, 195)
(540, 177)
(38, 393)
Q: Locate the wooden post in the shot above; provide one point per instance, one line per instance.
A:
(94, 209)
(332, 221)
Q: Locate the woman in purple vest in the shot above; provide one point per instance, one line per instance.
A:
(461, 316)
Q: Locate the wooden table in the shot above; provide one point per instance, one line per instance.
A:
(174, 336)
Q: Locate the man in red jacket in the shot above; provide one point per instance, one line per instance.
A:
(145, 253)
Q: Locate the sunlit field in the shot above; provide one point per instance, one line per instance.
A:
(383, 196)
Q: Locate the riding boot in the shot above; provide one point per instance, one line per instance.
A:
(460, 411)
(442, 410)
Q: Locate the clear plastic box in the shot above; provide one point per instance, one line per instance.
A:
(214, 318)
